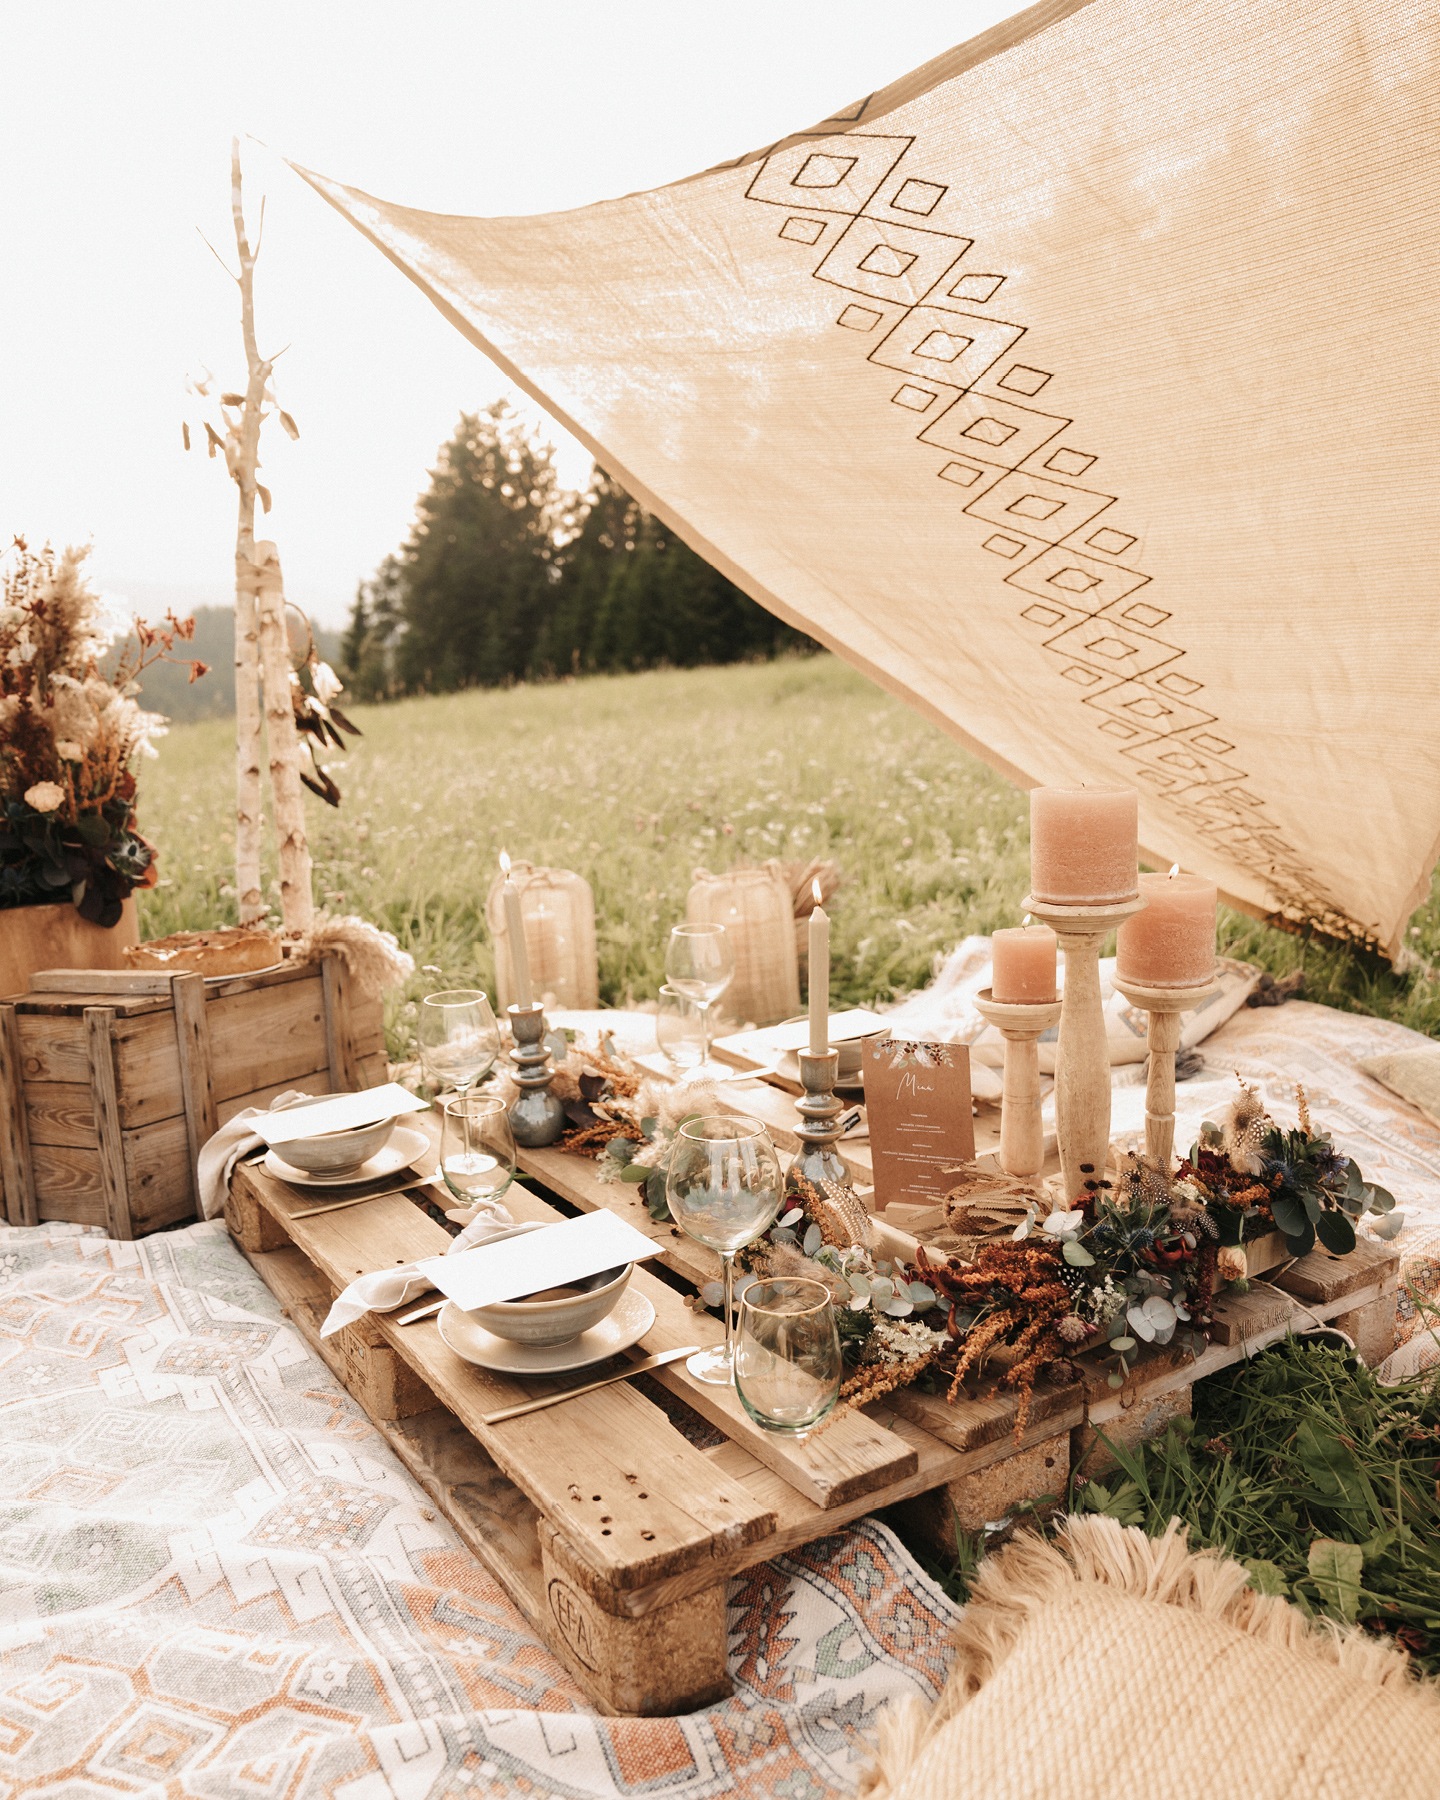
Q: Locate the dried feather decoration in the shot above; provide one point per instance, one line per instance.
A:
(1242, 1130)
(373, 957)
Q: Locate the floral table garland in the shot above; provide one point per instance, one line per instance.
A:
(1135, 1260)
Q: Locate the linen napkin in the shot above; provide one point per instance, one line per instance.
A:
(386, 1289)
(219, 1154)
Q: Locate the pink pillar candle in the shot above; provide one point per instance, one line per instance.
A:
(1024, 966)
(1171, 943)
(1084, 845)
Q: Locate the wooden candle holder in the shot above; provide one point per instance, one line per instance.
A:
(1022, 1135)
(1082, 1063)
(1164, 1006)
(537, 1118)
(819, 1131)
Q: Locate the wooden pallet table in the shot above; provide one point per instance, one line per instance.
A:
(611, 1530)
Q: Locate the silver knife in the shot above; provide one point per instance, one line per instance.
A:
(637, 1368)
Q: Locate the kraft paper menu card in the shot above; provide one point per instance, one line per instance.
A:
(552, 1257)
(917, 1102)
(345, 1111)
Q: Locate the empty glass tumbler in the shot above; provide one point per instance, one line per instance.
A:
(787, 1354)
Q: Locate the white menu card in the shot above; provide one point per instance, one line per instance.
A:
(553, 1257)
(368, 1107)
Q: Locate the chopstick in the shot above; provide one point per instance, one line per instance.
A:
(637, 1368)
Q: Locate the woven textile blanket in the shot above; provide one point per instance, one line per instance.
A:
(216, 1580)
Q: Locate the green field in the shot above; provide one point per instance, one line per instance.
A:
(636, 780)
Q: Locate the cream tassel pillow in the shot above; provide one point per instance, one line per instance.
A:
(1108, 1665)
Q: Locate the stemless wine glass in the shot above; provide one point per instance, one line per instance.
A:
(724, 1189)
(477, 1148)
(787, 1354)
(679, 1029)
(700, 962)
(458, 1038)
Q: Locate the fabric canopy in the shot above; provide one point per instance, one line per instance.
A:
(1080, 388)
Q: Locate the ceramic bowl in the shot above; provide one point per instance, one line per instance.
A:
(545, 1322)
(336, 1151)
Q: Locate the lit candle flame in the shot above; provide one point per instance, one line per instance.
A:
(1174, 870)
(815, 890)
(1026, 919)
(505, 863)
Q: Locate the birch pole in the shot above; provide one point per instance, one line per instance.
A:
(244, 459)
(261, 644)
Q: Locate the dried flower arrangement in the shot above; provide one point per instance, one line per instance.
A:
(1135, 1260)
(68, 737)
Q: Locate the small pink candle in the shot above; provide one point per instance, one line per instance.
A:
(1024, 965)
(1171, 943)
(1084, 845)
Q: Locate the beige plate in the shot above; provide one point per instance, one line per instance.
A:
(618, 1330)
(405, 1146)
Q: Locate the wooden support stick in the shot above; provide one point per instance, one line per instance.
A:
(1082, 1064)
(1164, 1007)
(17, 1172)
(197, 1088)
(1022, 1132)
(100, 1051)
(339, 1037)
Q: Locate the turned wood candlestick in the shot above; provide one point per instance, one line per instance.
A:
(1164, 1006)
(537, 1118)
(818, 1131)
(1082, 1060)
(1022, 1133)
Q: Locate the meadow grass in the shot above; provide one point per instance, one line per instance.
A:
(634, 781)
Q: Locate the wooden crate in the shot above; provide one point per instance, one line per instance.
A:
(612, 1531)
(110, 1083)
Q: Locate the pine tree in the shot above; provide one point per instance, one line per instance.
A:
(506, 578)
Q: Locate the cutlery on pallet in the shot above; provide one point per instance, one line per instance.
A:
(637, 1368)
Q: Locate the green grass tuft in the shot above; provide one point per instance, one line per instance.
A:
(636, 780)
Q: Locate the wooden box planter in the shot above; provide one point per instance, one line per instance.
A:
(110, 1083)
(56, 937)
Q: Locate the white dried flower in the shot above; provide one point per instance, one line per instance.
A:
(45, 796)
(68, 750)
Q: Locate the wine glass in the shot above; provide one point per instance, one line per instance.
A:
(679, 1030)
(457, 1037)
(477, 1148)
(724, 1188)
(700, 962)
(787, 1354)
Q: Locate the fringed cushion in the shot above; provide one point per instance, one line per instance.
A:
(1109, 1664)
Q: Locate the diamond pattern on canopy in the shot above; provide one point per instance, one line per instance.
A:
(1079, 388)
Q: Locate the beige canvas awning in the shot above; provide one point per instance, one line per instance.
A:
(1080, 388)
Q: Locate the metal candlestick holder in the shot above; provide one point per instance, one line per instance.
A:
(1022, 1134)
(537, 1118)
(817, 1159)
(1082, 1060)
(1164, 1006)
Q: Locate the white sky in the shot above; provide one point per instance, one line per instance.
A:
(115, 128)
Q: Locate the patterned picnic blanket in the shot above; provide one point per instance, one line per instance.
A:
(216, 1580)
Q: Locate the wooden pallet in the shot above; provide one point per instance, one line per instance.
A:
(612, 1532)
